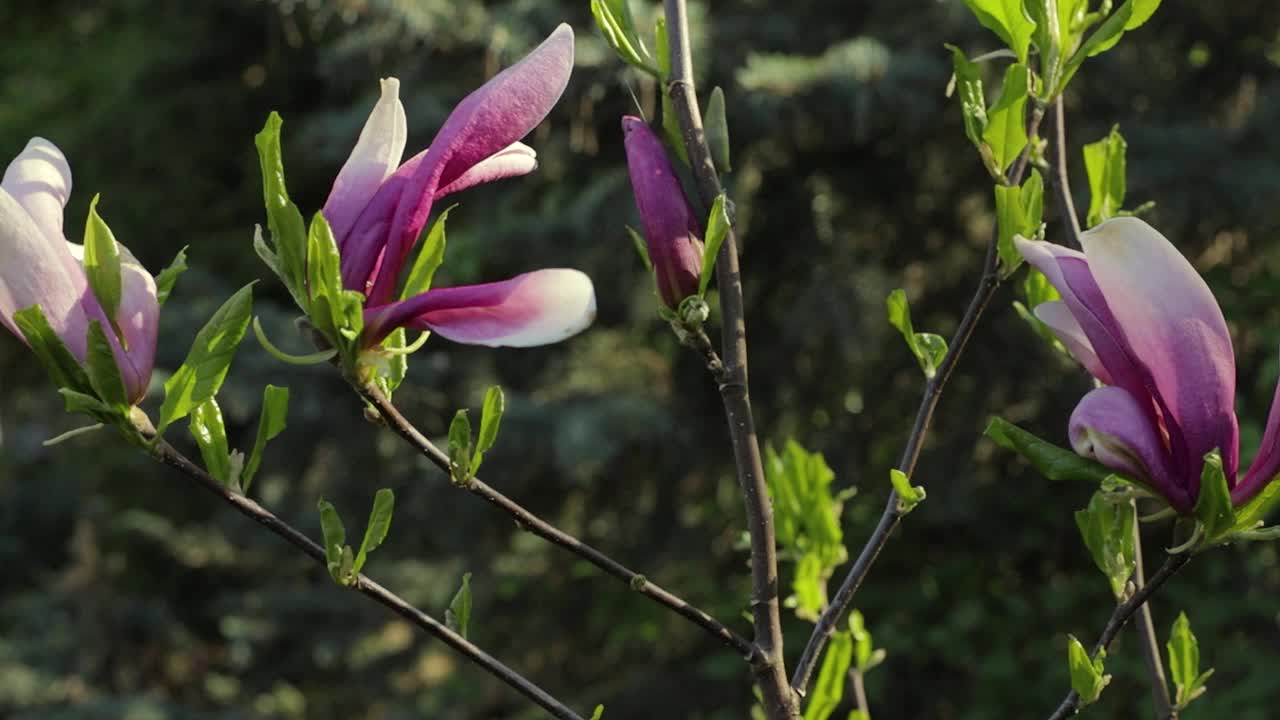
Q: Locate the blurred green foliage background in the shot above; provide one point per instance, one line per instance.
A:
(127, 593)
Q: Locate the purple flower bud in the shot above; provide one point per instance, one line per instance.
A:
(671, 231)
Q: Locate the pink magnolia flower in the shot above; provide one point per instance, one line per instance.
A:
(671, 230)
(1140, 319)
(38, 266)
(379, 206)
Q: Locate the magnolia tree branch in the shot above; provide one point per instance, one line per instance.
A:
(1071, 227)
(893, 513)
(780, 702)
(536, 525)
(167, 454)
(1071, 705)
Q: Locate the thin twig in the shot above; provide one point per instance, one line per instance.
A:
(780, 702)
(536, 525)
(1147, 632)
(1164, 709)
(892, 514)
(167, 454)
(1062, 183)
(859, 691)
(1071, 705)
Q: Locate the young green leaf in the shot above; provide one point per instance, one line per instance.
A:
(1213, 508)
(62, 366)
(102, 263)
(169, 276)
(393, 371)
(202, 373)
(335, 538)
(271, 422)
(1104, 161)
(973, 103)
(929, 349)
(1107, 529)
(717, 231)
(104, 375)
(1184, 663)
(717, 129)
(1252, 513)
(288, 232)
(1053, 462)
(77, 402)
(641, 248)
(384, 504)
(1087, 677)
(908, 495)
(828, 691)
(616, 23)
(210, 434)
(458, 616)
(598, 713)
(865, 655)
(495, 404)
(1006, 132)
(460, 448)
(429, 259)
(1007, 19)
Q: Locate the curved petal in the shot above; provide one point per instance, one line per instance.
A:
(1267, 464)
(376, 155)
(500, 112)
(39, 179)
(1112, 427)
(535, 308)
(1170, 319)
(511, 161)
(34, 271)
(671, 230)
(1064, 326)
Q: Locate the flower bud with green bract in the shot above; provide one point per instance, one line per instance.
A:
(39, 266)
(672, 232)
(378, 208)
(1140, 319)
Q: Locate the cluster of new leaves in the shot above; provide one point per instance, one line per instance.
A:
(465, 452)
(807, 522)
(849, 652)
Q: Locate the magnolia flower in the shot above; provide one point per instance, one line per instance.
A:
(379, 206)
(1142, 321)
(671, 230)
(38, 266)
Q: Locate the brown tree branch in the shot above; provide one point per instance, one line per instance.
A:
(1071, 705)
(893, 514)
(536, 525)
(167, 454)
(780, 703)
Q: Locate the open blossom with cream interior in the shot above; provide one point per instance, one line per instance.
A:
(379, 206)
(38, 266)
(1140, 319)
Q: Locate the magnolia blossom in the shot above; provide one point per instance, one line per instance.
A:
(378, 207)
(38, 266)
(671, 230)
(1142, 321)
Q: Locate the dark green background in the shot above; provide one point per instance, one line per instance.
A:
(128, 593)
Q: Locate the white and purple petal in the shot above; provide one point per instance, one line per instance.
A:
(375, 157)
(1169, 318)
(536, 308)
(1111, 426)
